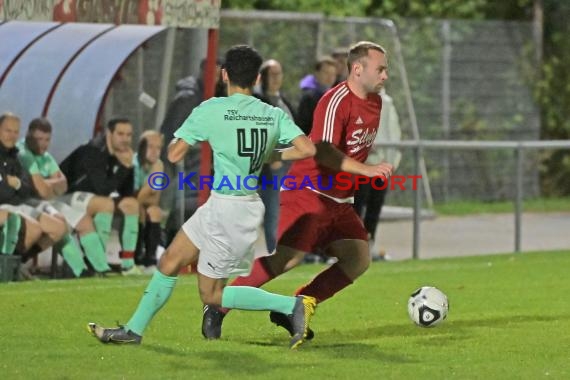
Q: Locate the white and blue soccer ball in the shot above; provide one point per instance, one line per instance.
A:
(428, 306)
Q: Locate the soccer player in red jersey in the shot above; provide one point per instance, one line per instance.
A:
(345, 123)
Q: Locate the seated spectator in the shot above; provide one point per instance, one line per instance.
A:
(11, 239)
(8, 222)
(104, 167)
(50, 184)
(145, 162)
(26, 231)
(18, 234)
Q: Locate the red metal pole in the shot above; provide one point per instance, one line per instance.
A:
(209, 89)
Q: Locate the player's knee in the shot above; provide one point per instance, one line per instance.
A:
(171, 261)
(3, 216)
(106, 205)
(85, 225)
(33, 231)
(59, 217)
(361, 262)
(129, 206)
(365, 262)
(356, 263)
(181, 252)
(59, 229)
(211, 296)
(292, 263)
(53, 227)
(99, 204)
(283, 260)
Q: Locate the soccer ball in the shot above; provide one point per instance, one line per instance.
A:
(428, 306)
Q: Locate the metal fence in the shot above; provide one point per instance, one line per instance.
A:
(518, 150)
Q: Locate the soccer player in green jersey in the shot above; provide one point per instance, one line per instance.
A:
(27, 232)
(50, 185)
(243, 132)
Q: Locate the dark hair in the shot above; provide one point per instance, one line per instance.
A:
(219, 62)
(359, 50)
(264, 73)
(264, 79)
(112, 124)
(141, 151)
(326, 60)
(39, 124)
(242, 64)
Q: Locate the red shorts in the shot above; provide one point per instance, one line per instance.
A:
(309, 221)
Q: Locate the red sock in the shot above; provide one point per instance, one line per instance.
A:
(126, 254)
(326, 284)
(259, 275)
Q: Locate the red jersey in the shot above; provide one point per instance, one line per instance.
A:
(350, 124)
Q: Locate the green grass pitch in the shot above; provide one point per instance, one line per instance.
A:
(509, 319)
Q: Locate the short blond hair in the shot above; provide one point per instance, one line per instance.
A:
(8, 116)
(149, 133)
(359, 50)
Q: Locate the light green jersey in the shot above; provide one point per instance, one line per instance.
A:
(242, 131)
(42, 164)
(141, 175)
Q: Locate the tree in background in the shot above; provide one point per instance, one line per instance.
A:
(552, 91)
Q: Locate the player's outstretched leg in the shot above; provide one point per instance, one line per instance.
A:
(302, 314)
(264, 269)
(181, 252)
(118, 335)
(283, 320)
(353, 260)
(299, 309)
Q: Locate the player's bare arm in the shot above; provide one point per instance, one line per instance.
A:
(14, 182)
(48, 188)
(177, 149)
(383, 169)
(42, 187)
(148, 196)
(158, 166)
(302, 148)
(58, 183)
(331, 157)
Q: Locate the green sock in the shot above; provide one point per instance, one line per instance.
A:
(10, 234)
(72, 254)
(130, 233)
(250, 298)
(127, 264)
(102, 222)
(94, 251)
(129, 236)
(3, 241)
(155, 296)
